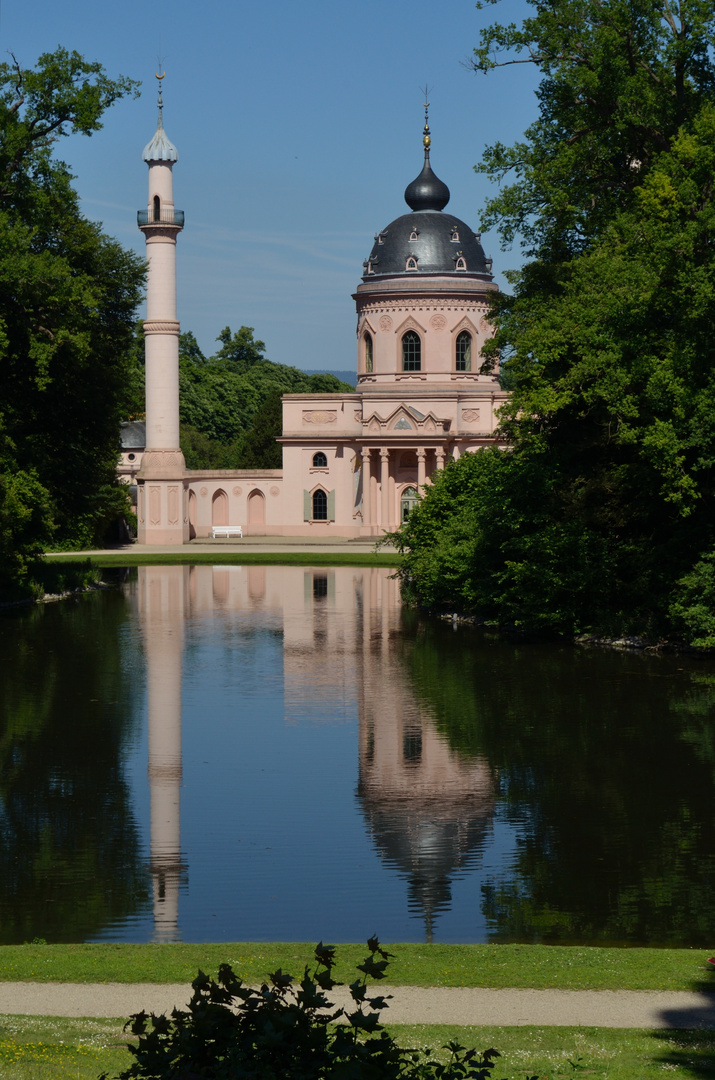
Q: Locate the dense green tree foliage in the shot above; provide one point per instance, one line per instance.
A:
(603, 503)
(230, 402)
(68, 295)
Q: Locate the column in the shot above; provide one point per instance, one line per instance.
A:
(439, 456)
(421, 470)
(367, 509)
(385, 486)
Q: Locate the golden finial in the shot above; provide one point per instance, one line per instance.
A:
(426, 141)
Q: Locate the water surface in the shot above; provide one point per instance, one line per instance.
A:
(255, 753)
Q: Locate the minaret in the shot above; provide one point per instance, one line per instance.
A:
(162, 509)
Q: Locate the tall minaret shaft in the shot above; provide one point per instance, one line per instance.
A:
(161, 509)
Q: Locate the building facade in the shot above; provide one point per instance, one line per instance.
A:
(353, 464)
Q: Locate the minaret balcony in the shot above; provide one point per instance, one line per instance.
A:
(160, 217)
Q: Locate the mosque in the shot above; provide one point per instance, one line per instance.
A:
(354, 463)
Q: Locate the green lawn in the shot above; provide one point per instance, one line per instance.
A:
(53, 1048)
(536, 966)
(234, 557)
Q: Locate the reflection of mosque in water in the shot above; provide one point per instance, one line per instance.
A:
(428, 809)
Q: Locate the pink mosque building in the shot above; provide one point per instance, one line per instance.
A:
(353, 464)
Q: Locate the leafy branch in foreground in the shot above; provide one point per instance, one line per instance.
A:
(288, 1028)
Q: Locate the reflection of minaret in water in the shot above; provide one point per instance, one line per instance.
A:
(428, 808)
(162, 590)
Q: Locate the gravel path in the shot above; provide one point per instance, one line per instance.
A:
(410, 1004)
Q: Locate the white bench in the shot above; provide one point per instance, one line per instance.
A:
(227, 530)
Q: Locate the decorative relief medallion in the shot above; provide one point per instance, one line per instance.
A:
(438, 322)
(238, 491)
(204, 492)
(326, 417)
(275, 491)
(385, 323)
(470, 416)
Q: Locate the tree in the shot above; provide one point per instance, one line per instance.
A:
(619, 80)
(239, 351)
(68, 295)
(607, 339)
(230, 402)
(258, 447)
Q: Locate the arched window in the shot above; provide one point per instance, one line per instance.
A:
(464, 351)
(408, 500)
(411, 263)
(368, 353)
(157, 208)
(320, 506)
(411, 351)
(320, 461)
(461, 264)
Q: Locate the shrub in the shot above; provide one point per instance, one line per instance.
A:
(287, 1030)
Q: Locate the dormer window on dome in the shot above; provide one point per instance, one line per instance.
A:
(411, 263)
(455, 235)
(414, 235)
(461, 263)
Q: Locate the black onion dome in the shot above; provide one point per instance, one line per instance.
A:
(427, 191)
(438, 243)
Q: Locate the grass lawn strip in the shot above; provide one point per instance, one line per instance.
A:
(236, 557)
(49, 1048)
(493, 966)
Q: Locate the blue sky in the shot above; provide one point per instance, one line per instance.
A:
(298, 128)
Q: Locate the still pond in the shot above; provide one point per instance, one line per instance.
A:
(279, 753)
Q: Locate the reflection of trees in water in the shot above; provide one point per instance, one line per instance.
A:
(606, 764)
(69, 847)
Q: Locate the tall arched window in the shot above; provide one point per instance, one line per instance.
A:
(407, 502)
(368, 353)
(320, 461)
(411, 352)
(464, 351)
(157, 208)
(320, 506)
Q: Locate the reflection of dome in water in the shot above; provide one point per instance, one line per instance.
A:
(428, 841)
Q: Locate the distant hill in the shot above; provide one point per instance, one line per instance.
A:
(345, 376)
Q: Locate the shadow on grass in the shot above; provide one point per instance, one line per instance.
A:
(690, 1053)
